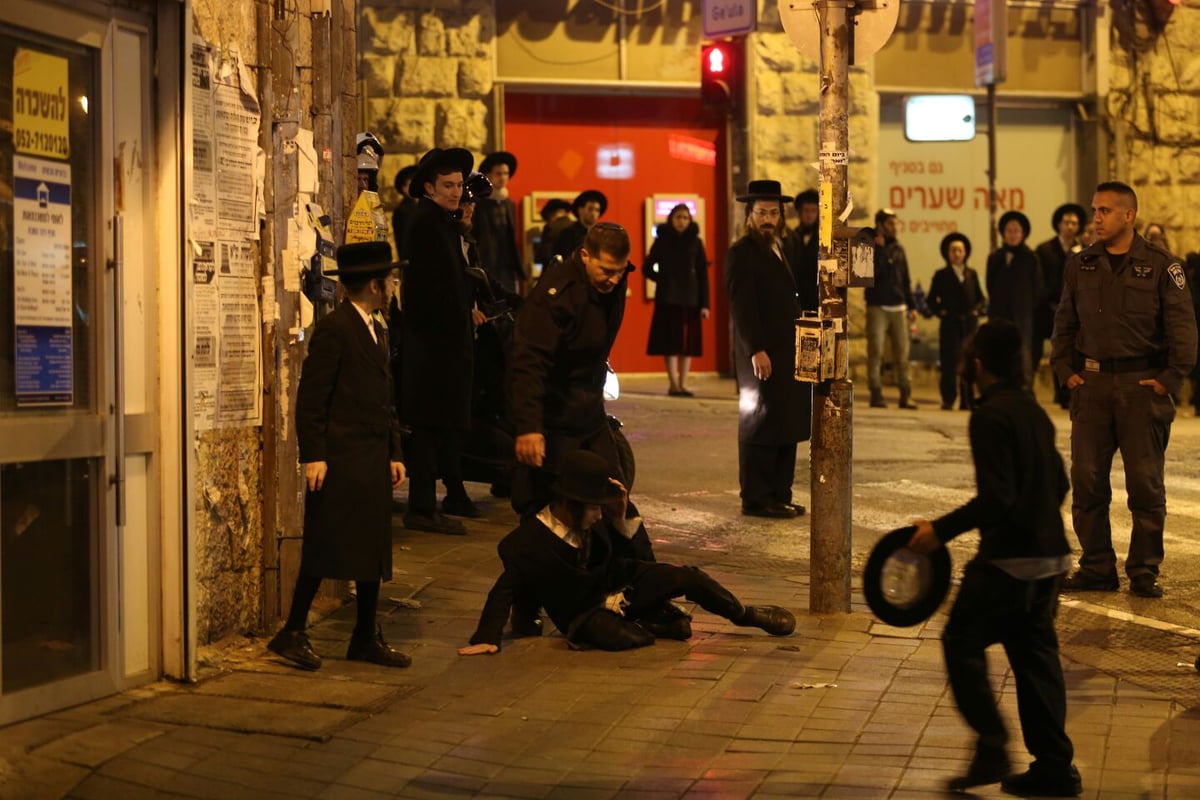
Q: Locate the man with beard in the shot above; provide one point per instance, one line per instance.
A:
(1052, 256)
(588, 208)
(774, 409)
(890, 307)
(496, 224)
(1124, 339)
(803, 249)
(438, 344)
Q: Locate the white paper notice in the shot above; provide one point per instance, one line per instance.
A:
(238, 394)
(236, 119)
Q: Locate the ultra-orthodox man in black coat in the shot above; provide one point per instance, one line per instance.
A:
(345, 416)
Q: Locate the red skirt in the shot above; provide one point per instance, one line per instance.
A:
(674, 331)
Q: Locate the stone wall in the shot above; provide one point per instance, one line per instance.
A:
(1153, 108)
(426, 77)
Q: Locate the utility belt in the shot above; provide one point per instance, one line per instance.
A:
(1119, 365)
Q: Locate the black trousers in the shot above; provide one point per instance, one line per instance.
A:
(995, 608)
(431, 453)
(766, 473)
(951, 336)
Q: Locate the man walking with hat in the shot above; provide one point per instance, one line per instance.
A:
(563, 557)
(589, 206)
(495, 224)
(774, 409)
(1009, 592)
(438, 346)
(349, 443)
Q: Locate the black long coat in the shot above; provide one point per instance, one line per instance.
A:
(1051, 258)
(678, 264)
(438, 333)
(345, 417)
(764, 307)
(495, 231)
(1014, 288)
(963, 302)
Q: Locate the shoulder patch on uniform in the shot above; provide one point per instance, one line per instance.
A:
(1176, 273)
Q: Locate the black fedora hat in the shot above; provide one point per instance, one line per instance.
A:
(403, 175)
(590, 196)
(949, 239)
(1068, 208)
(552, 207)
(584, 476)
(499, 157)
(1009, 216)
(364, 260)
(904, 588)
(764, 190)
(807, 197)
(451, 159)
(476, 187)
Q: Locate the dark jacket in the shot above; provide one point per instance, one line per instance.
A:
(963, 301)
(1051, 258)
(564, 333)
(495, 231)
(565, 581)
(678, 264)
(893, 287)
(1014, 287)
(401, 218)
(763, 307)
(438, 332)
(345, 417)
(803, 251)
(549, 237)
(1143, 311)
(1019, 476)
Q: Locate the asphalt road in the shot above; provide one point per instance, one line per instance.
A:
(906, 465)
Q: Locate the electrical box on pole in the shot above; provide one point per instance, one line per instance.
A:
(838, 33)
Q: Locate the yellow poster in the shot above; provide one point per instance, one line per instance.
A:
(366, 222)
(41, 106)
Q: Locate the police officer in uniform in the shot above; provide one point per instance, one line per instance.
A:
(1124, 339)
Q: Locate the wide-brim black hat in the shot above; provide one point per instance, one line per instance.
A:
(764, 190)
(584, 476)
(404, 174)
(807, 197)
(451, 159)
(364, 260)
(589, 196)
(499, 157)
(476, 187)
(904, 588)
(950, 238)
(1009, 216)
(1068, 208)
(552, 207)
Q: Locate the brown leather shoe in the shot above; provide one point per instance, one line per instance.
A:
(295, 647)
(376, 651)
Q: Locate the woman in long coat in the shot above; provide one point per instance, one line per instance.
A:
(678, 264)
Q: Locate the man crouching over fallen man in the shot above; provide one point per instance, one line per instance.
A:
(562, 558)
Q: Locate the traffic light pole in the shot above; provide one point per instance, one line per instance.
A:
(832, 440)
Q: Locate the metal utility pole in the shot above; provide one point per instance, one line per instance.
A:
(833, 400)
(845, 30)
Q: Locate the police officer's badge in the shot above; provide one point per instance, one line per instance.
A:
(1176, 273)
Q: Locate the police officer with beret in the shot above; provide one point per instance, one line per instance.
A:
(1124, 338)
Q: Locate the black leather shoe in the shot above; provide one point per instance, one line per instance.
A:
(775, 620)
(1043, 783)
(433, 523)
(1088, 582)
(376, 651)
(295, 647)
(908, 404)
(460, 506)
(523, 626)
(773, 510)
(797, 508)
(1145, 586)
(988, 766)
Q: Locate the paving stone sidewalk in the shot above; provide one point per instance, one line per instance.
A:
(845, 708)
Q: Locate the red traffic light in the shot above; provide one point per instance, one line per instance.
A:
(720, 77)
